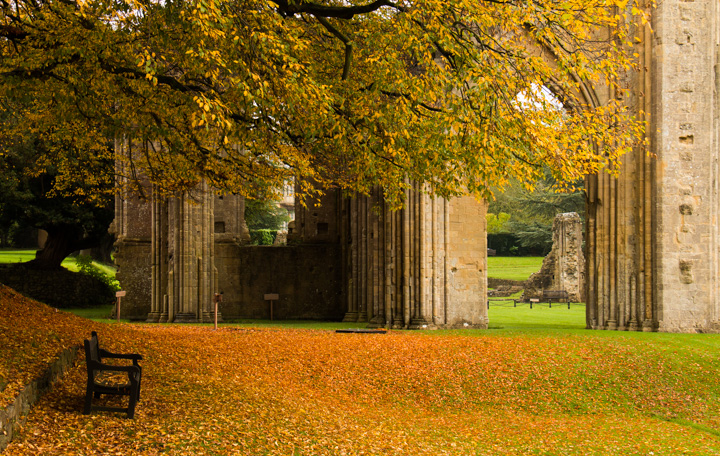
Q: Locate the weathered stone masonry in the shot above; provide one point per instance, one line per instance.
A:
(421, 267)
(652, 237)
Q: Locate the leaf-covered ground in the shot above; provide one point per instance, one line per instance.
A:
(315, 392)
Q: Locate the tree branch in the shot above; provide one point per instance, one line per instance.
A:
(12, 33)
(348, 45)
(287, 8)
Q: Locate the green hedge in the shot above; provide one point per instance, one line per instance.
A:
(508, 244)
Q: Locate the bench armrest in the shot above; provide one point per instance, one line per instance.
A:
(94, 365)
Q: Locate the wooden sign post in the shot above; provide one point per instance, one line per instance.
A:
(118, 295)
(217, 299)
(272, 297)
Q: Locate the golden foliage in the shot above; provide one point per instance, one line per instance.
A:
(246, 94)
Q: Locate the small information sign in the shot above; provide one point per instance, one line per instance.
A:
(118, 295)
(272, 297)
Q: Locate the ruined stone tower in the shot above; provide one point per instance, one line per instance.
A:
(564, 267)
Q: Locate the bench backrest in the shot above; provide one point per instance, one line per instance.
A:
(92, 354)
(555, 293)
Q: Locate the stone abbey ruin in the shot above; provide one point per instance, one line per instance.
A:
(651, 243)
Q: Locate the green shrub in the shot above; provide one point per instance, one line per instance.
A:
(262, 237)
(85, 266)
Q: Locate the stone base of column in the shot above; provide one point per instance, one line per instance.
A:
(154, 317)
(350, 317)
(465, 326)
(376, 322)
(185, 318)
(649, 326)
(420, 323)
(362, 317)
(612, 325)
(397, 324)
(164, 318)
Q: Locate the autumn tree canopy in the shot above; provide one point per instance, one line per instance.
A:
(352, 93)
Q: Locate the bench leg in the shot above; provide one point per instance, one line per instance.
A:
(134, 394)
(88, 401)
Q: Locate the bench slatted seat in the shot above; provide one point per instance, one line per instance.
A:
(110, 379)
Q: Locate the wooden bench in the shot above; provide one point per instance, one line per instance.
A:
(548, 296)
(109, 379)
(555, 295)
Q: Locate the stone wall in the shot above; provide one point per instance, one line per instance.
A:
(466, 246)
(652, 237)
(134, 272)
(686, 114)
(307, 278)
(564, 267)
(420, 267)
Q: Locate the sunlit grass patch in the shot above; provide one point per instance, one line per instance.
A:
(513, 268)
(9, 256)
(16, 256)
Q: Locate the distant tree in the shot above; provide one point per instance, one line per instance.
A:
(530, 213)
(32, 196)
(264, 215)
(497, 223)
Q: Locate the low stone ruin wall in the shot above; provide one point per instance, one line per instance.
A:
(14, 415)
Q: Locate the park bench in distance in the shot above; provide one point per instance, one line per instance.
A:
(555, 295)
(101, 380)
(548, 296)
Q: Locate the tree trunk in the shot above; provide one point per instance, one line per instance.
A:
(103, 252)
(60, 243)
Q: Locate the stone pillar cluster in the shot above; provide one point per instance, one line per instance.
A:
(165, 249)
(652, 235)
(420, 267)
(183, 265)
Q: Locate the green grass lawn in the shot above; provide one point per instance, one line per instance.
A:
(513, 268)
(16, 256)
(21, 256)
(504, 318)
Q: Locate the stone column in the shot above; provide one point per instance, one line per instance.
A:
(183, 247)
(398, 262)
(652, 231)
